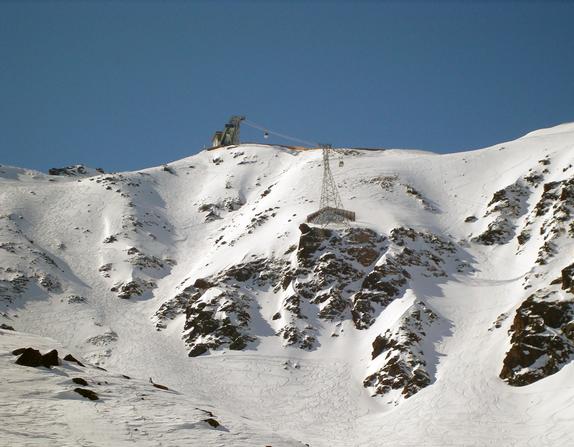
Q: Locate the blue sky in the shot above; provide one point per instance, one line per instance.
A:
(127, 85)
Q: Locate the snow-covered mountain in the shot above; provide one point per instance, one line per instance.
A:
(443, 316)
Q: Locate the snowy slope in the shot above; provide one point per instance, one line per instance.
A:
(442, 316)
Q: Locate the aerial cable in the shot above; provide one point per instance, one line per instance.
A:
(280, 135)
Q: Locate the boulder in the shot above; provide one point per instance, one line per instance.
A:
(212, 422)
(89, 394)
(71, 358)
(33, 358)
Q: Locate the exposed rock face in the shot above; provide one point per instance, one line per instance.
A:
(334, 275)
(217, 310)
(217, 318)
(542, 338)
(325, 274)
(555, 208)
(400, 361)
(507, 205)
(421, 253)
(75, 171)
(135, 287)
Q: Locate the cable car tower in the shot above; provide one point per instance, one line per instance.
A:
(330, 206)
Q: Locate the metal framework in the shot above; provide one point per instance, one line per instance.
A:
(330, 196)
(330, 206)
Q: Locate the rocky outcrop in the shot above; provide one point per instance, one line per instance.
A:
(507, 205)
(134, 288)
(398, 358)
(333, 275)
(555, 208)
(75, 171)
(218, 309)
(329, 265)
(410, 252)
(542, 338)
(215, 319)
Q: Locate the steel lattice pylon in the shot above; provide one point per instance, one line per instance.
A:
(330, 207)
(329, 193)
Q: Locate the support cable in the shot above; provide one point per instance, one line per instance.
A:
(287, 137)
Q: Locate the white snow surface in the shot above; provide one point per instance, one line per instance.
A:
(269, 394)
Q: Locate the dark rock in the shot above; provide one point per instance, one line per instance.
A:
(70, 171)
(49, 282)
(33, 358)
(51, 359)
(161, 387)
(508, 205)
(197, 350)
(212, 422)
(202, 283)
(404, 366)
(87, 393)
(310, 241)
(71, 358)
(6, 327)
(136, 287)
(568, 278)
(110, 239)
(76, 299)
(364, 255)
(169, 169)
(80, 381)
(238, 344)
(105, 268)
(523, 237)
(541, 341)
(132, 251)
(379, 345)
(471, 219)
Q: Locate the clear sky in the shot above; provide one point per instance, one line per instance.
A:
(129, 84)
